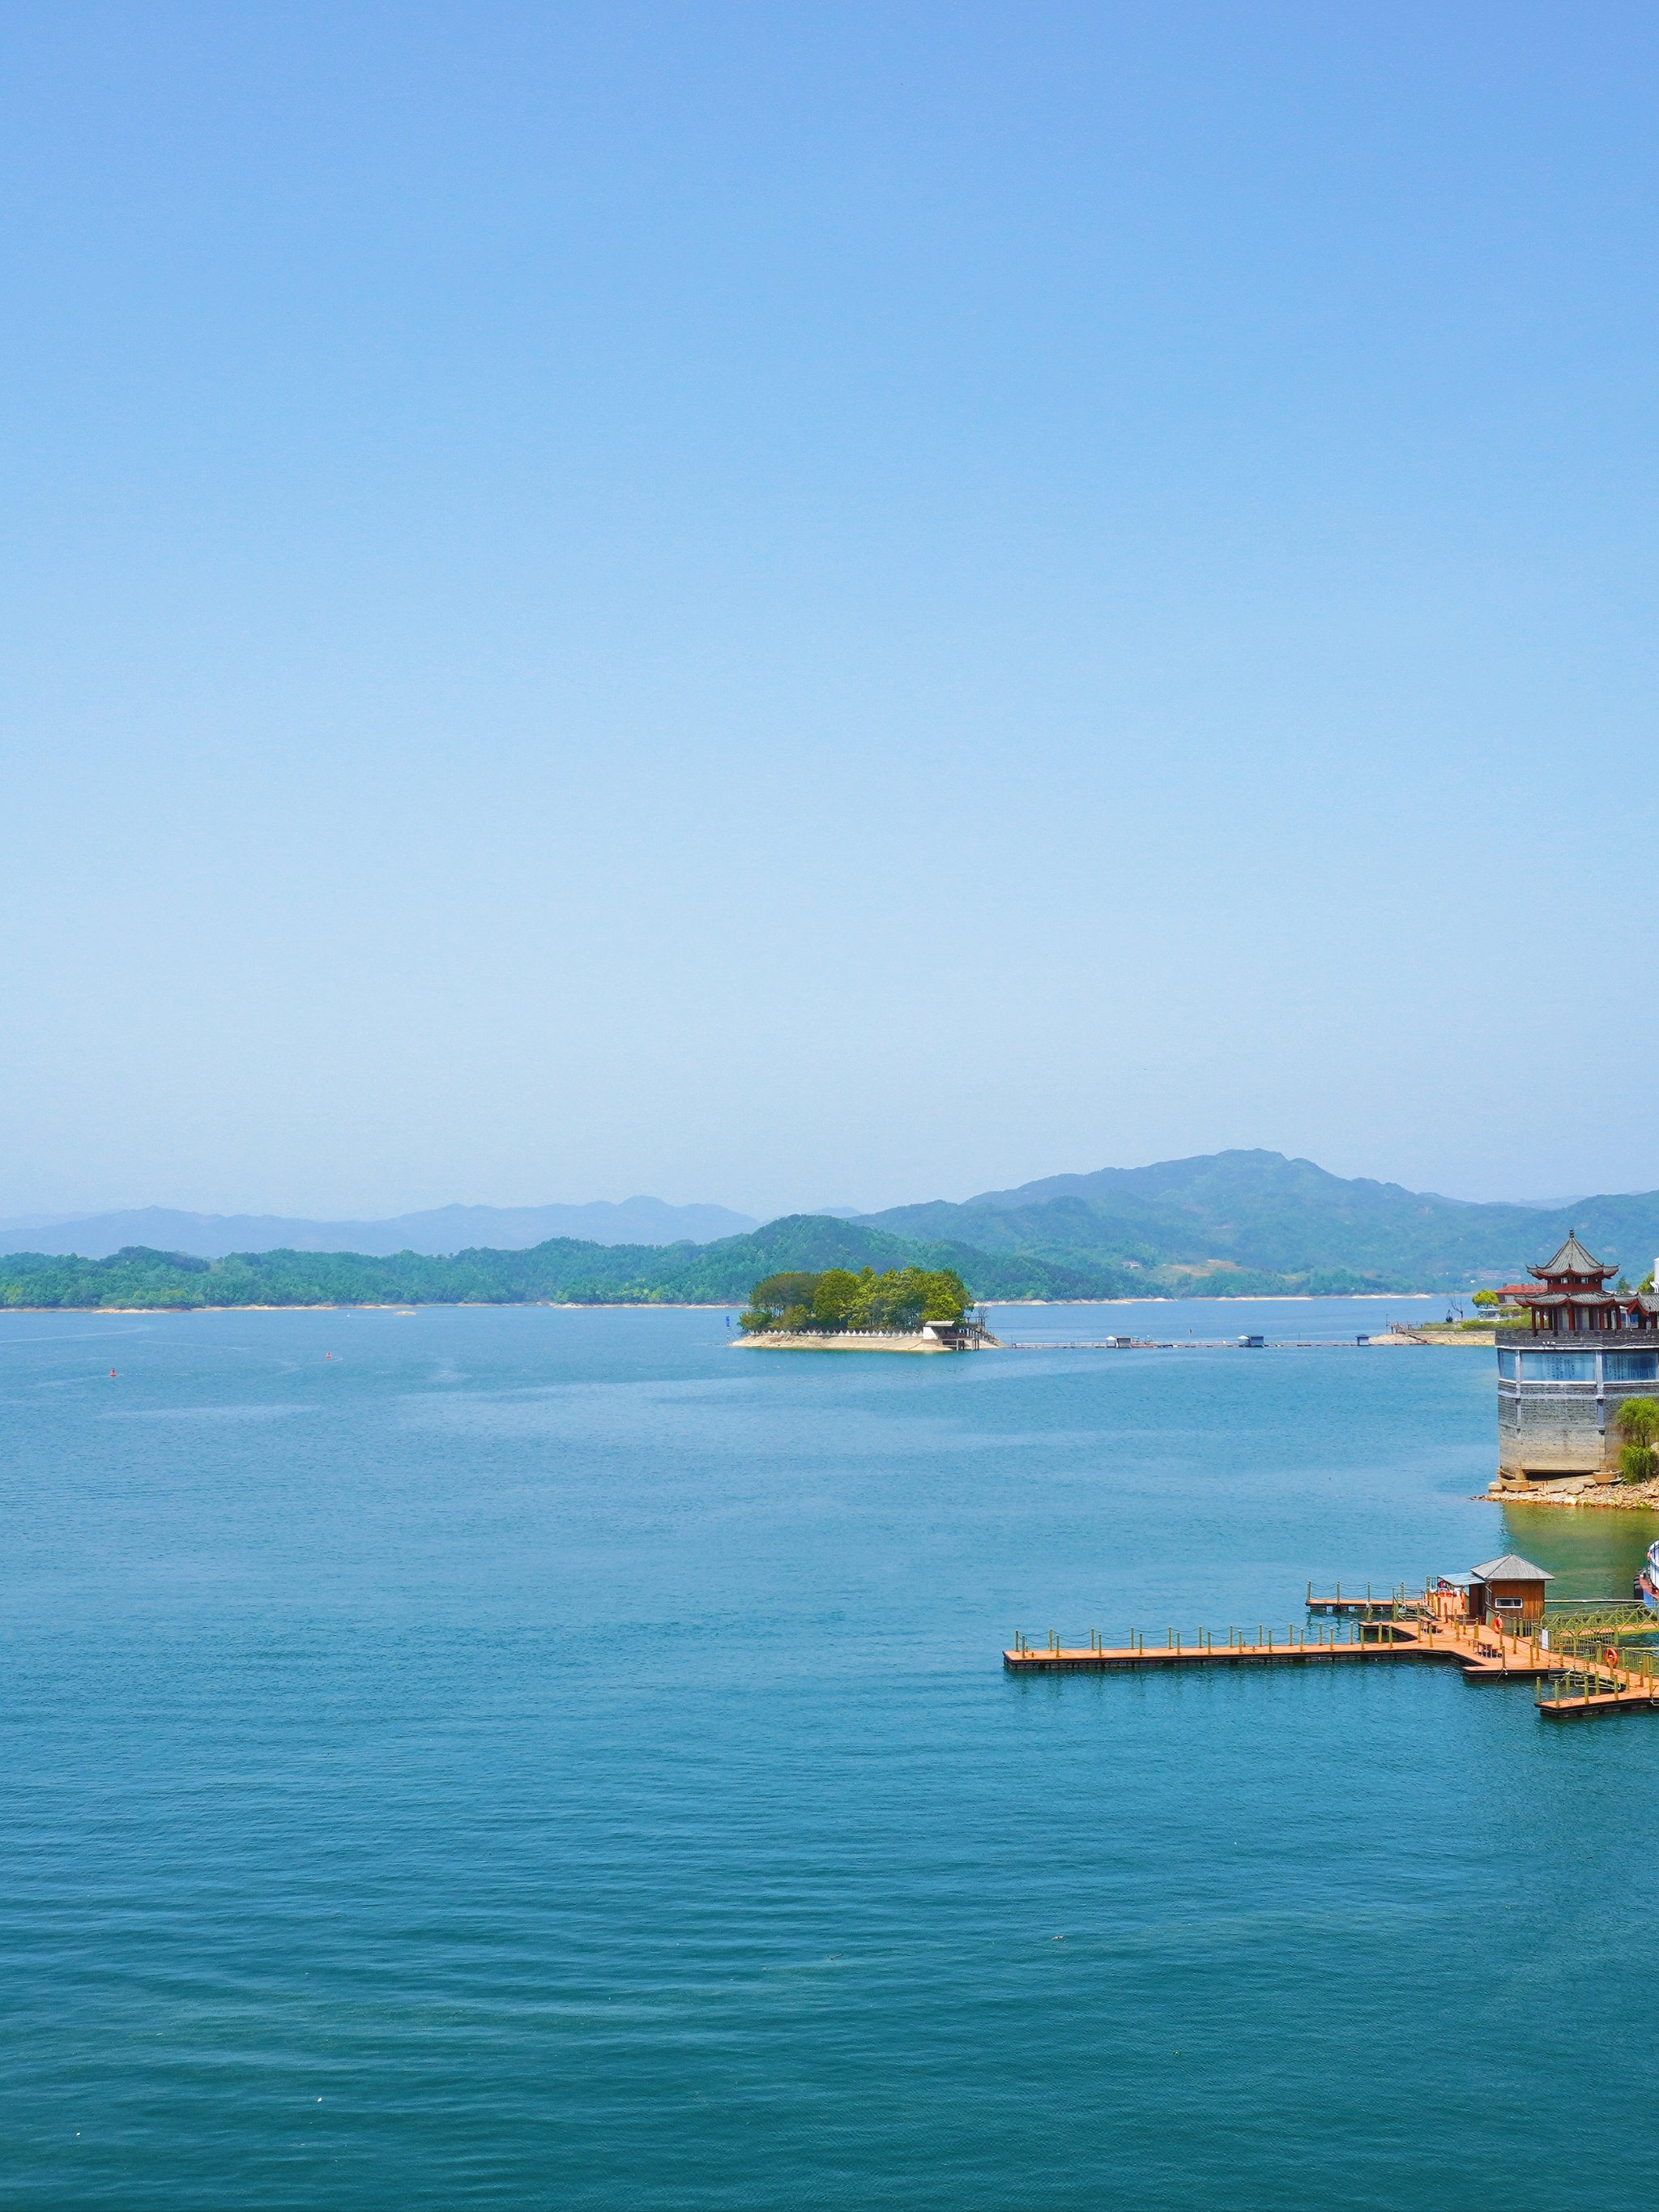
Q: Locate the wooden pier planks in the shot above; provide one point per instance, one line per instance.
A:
(1078, 1660)
(1395, 1641)
(1483, 1654)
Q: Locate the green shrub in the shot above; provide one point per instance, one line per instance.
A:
(1637, 1463)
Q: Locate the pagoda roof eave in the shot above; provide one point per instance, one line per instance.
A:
(1571, 1260)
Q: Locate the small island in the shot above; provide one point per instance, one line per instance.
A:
(906, 1310)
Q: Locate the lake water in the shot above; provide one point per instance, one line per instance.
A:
(1201, 1320)
(545, 1759)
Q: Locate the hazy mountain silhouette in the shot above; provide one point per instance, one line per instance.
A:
(1244, 1220)
(445, 1229)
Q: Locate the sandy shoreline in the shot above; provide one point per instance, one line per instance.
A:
(780, 1343)
(1486, 1337)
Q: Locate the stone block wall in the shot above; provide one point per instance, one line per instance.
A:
(1562, 1428)
(1557, 1433)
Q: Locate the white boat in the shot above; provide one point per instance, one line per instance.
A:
(1647, 1583)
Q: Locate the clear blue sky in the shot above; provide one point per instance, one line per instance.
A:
(797, 605)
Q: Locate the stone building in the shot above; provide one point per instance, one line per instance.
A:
(1561, 1383)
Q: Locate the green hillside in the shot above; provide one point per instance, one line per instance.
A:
(1231, 1221)
(1238, 1223)
(562, 1270)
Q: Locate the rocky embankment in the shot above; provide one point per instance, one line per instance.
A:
(1577, 1489)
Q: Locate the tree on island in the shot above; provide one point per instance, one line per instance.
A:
(1639, 1424)
(899, 1301)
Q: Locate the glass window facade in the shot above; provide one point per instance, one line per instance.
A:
(1509, 1365)
(1559, 1366)
(1631, 1366)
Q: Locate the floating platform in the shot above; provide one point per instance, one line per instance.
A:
(1357, 1342)
(1425, 1630)
(1348, 1604)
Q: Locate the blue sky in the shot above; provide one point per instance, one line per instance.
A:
(829, 605)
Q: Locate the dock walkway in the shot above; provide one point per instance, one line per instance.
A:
(1173, 1344)
(1575, 1685)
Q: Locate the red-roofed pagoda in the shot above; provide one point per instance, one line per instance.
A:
(1575, 1298)
(1561, 1389)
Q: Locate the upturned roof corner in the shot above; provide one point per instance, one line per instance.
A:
(1571, 1260)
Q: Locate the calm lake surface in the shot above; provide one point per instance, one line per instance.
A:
(548, 1759)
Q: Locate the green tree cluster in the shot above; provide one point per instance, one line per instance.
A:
(900, 1300)
(1639, 1424)
(561, 1271)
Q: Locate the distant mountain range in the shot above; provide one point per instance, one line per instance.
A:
(445, 1229)
(560, 1271)
(1241, 1223)
(1255, 1220)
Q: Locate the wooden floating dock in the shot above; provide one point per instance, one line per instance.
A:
(1574, 1685)
(1349, 1604)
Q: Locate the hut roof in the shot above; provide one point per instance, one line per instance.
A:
(1512, 1568)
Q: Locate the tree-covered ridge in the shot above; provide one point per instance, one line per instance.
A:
(562, 1272)
(899, 1301)
(1239, 1223)
(1254, 1221)
(1231, 1223)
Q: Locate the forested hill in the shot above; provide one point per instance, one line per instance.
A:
(1227, 1223)
(1204, 1224)
(562, 1270)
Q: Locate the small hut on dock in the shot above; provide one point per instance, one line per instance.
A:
(965, 1334)
(1510, 1593)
